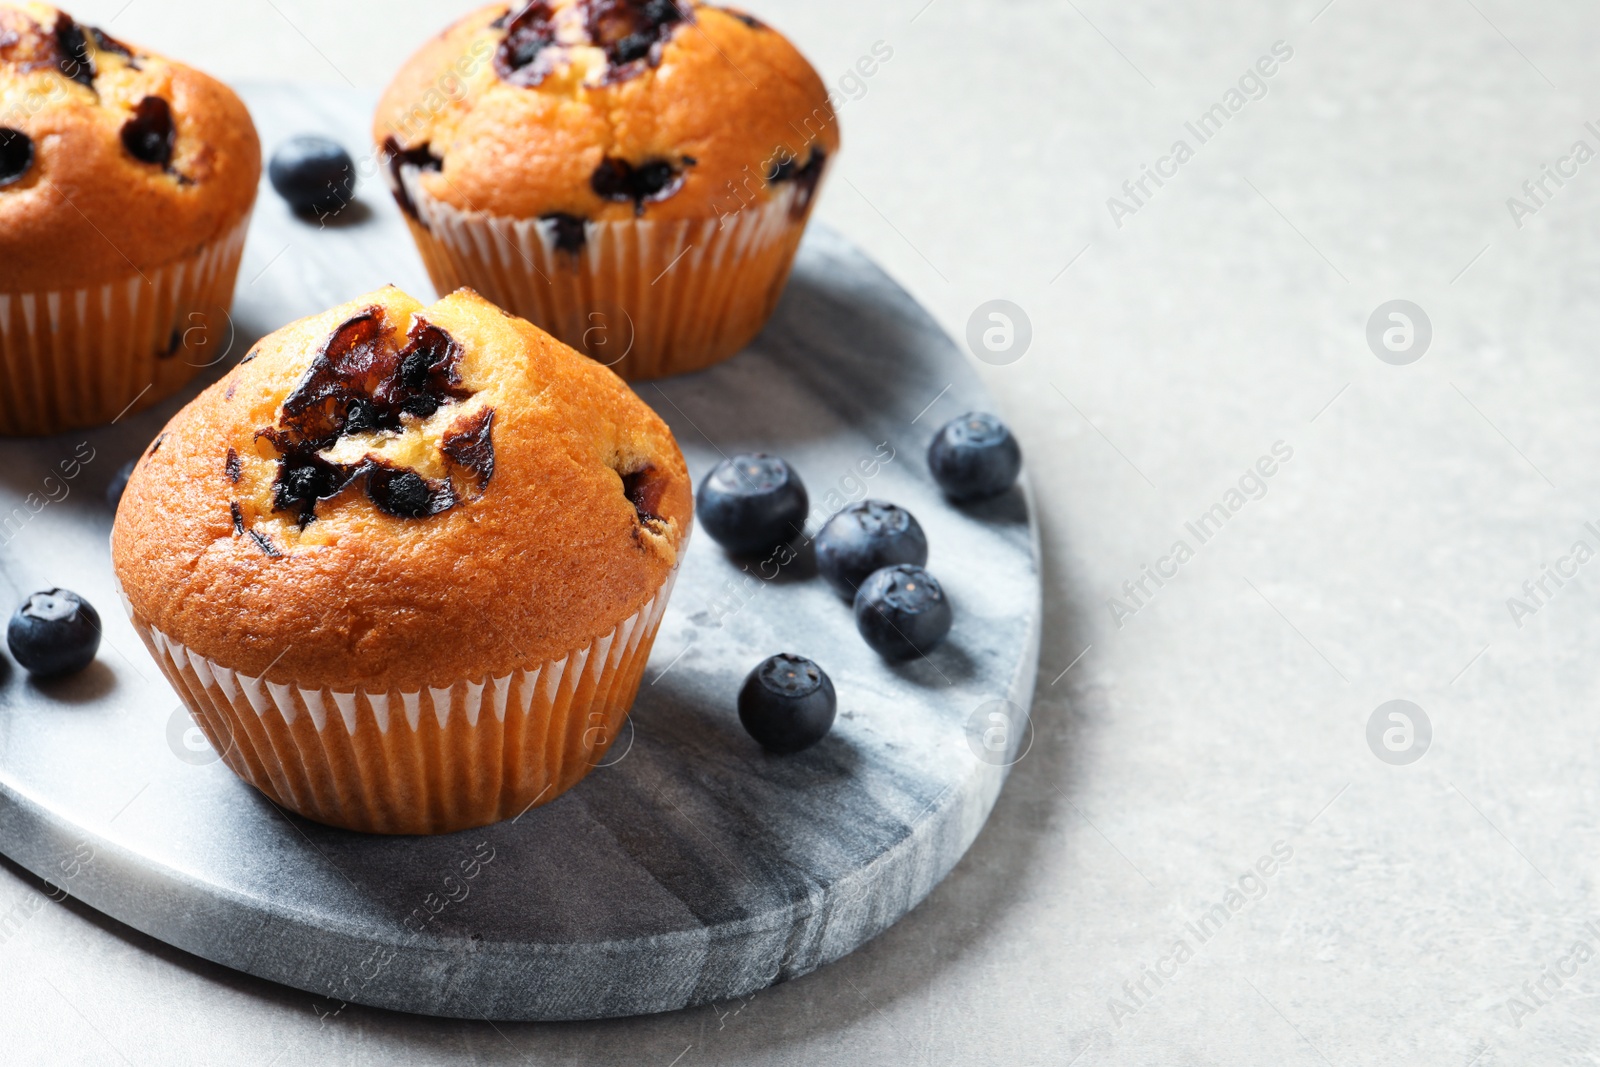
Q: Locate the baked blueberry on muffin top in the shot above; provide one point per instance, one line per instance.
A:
(111, 158)
(355, 397)
(628, 31)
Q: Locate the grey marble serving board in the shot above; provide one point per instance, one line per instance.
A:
(693, 867)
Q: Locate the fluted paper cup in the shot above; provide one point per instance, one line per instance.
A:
(81, 357)
(427, 761)
(646, 297)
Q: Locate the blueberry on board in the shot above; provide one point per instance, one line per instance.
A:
(315, 175)
(119, 482)
(865, 537)
(974, 456)
(54, 633)
(787, 703)
(902, 612)
(751, 503)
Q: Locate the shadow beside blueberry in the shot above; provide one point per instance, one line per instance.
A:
(940, 667)
(789, 564)
(85, 687)
(1009, 508)
(351, 213)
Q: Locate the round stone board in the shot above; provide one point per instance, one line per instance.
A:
(692, 866)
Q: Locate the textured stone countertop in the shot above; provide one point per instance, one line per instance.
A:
(1203, 859)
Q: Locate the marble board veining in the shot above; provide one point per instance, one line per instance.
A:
(692, 866)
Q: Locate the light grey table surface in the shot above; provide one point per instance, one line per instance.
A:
(1422, 905)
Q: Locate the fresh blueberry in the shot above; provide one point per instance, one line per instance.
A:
(974, 456)
(315, 175)
(119, 482)
(902, 612)
(787, 703)
(751, 503)
(865, 537)
(54, 634)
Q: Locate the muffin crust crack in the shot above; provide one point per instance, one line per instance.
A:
(539, 39)
(361, 415)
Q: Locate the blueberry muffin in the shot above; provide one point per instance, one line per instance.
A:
(632, 175)
(126, 183)
(405, 564)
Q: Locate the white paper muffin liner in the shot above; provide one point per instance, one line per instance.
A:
(646, 297)
(81, 357)
(431, 760)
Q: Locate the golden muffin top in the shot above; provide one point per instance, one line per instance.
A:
(112, 159)
(608, 109)
(394, 495)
